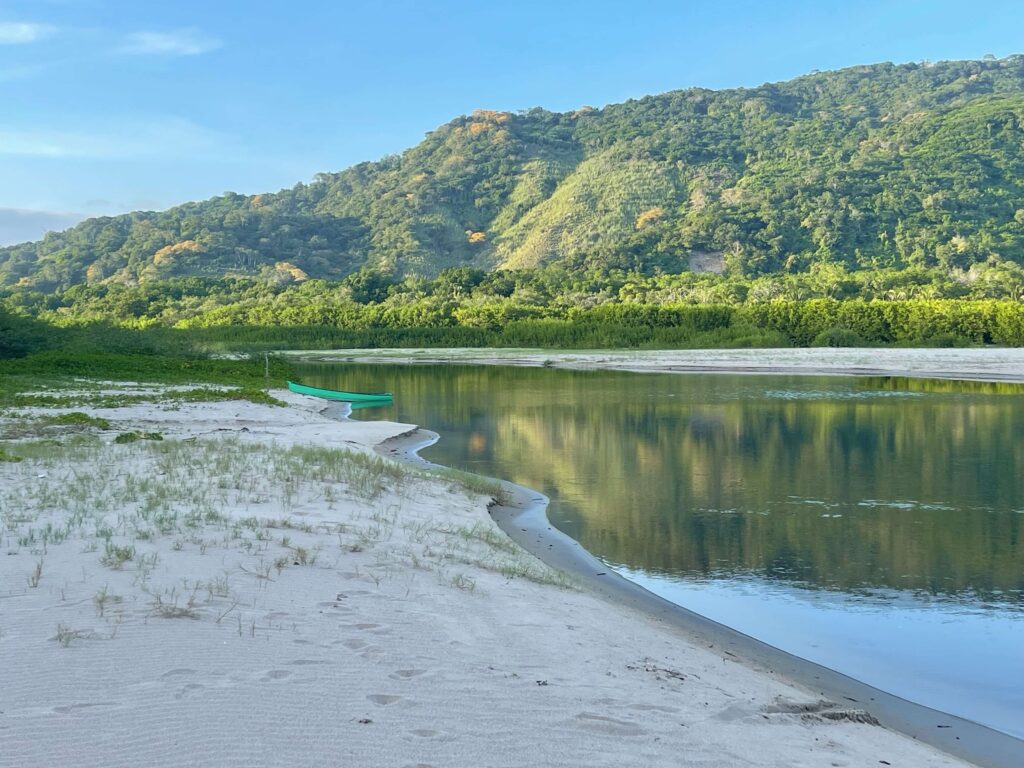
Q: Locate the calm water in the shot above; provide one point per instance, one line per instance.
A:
(873, 525)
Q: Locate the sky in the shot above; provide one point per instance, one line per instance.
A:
(110, 106)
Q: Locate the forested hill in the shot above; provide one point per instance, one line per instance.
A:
(872, 166)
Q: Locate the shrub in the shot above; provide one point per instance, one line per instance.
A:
(838, 337)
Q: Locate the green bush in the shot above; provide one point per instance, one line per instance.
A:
(838, 337)
(78, 419)
(947, 341)
(20, 336)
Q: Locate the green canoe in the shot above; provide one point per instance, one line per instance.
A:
(333, 394)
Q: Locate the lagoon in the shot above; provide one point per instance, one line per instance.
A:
(873, 525)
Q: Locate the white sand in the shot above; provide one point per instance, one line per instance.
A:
(986, 363)
(391, 649)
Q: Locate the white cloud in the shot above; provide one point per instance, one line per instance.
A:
(19, 32)
(183, 42)
(153, 138)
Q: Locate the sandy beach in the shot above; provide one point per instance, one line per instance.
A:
(975, 363)
(259, 588)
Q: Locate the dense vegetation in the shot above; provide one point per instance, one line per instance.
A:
(40, 362)
(819, 322)
(915, 167)
(874, 205)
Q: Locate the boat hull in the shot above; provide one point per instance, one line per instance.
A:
(333, 394)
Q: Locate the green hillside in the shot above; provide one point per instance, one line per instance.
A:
(882, 166)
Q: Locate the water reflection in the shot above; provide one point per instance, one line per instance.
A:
(855, 485)
(871, 525)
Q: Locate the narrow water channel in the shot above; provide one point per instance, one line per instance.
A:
(872, 525)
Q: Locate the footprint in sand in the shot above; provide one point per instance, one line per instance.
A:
(178, 673)
(738, 712)
(276, 674)
(608, 725)
(382, 699)
(376, 629)
(407, 674)
(67, 709)
(654, 708)
(188, 690)
(427, 733)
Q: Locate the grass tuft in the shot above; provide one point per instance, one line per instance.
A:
(470, 483)
(36, 575)
(115, 556)
(131, 437)
(66, 635)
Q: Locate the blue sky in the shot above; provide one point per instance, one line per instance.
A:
(111, 106)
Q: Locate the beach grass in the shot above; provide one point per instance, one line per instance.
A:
(210, 526)
(473, 484)
(178, 488)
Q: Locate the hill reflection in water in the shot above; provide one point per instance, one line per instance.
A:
(844, 484)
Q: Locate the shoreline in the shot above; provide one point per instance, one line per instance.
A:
(524, 519)
(233, 592)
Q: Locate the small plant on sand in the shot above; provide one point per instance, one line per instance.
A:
(33, 578)
(170, 604)
(51, 534)
(486, 534)
(145, 564)
(102, 599)
(219, 586)
(114, 556)
(66, 635)
(463, 582)
(470, 483)
(4, 456)
(262, 569)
